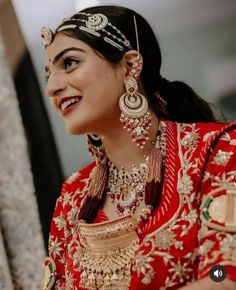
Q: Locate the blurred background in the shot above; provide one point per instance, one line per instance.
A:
(197, 38)
(198, 43)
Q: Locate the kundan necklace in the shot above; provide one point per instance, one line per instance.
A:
(126, 189)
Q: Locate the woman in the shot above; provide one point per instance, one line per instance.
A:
(155, 209)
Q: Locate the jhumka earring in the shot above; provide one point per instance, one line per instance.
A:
(95, 147)
(134, 113)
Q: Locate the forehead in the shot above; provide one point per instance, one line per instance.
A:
(62, 42)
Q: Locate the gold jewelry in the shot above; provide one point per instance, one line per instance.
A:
(134, 113)
(126, 189)
(46, 35)
(95, 147)
(107, 253)
(95, 24)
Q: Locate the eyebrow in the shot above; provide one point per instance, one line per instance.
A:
(60, 54)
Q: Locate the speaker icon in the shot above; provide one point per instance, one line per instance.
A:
(217, 273)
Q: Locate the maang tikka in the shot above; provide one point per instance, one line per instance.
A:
(135, 116)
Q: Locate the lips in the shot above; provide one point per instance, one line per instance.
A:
(66, 104)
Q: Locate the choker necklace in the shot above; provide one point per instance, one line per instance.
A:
(127, 189)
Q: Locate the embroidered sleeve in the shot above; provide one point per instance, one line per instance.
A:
(217, 235)
(55, 263)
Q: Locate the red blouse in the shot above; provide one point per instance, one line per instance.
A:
(194, 226)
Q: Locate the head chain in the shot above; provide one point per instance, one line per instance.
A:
(94, 24)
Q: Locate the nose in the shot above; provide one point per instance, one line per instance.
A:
(55, 85)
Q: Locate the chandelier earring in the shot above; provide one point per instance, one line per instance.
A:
(135, 116)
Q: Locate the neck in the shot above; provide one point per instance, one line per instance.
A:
(122, 151)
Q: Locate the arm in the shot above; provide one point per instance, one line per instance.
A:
(217, 234)
(54, 277)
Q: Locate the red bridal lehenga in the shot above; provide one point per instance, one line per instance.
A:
(193, 228)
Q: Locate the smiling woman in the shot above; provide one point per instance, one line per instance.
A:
(78, 79)
(145, 214)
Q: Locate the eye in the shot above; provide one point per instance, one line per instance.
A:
(69, 62)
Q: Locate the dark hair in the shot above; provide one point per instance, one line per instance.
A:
(182, 103)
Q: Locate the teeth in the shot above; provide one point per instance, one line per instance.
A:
(65, 104)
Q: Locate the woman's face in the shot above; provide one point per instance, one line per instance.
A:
(84, 88)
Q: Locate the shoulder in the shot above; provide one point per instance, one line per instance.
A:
(214, 130)
(201, 135)
(78, 179)
(75, 186)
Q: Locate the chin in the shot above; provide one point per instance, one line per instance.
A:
(75, 130)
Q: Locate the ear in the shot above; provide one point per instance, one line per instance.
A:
(133, 63)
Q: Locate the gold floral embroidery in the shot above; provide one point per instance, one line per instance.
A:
(223, 179)
(55, 246)
(226, 137)
(205, 247)
(60, 222)
(143, 266)
(73, 177)
(207, 136)
(180, 270)
(228, 247)
(185, 184)
(159, 242)
(226, 250)
(190, 140)
(222, 158)
(70, 281)
(164, 239)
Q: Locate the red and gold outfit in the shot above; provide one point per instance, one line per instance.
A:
(193, 228)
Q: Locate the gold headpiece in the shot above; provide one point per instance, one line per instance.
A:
(93, 24)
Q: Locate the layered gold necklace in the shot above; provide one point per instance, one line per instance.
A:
(108, 248)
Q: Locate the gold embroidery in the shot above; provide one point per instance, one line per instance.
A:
(226, 137)
(60, 222)
(205, 248)
(164, 239)
(70, 281)
(159, 242)
(73, 177)
(228, 247)
(185, 184)
(55, 246)
(208, 135)
(190, 140)
(222, 158)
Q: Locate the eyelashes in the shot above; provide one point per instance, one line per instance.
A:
(69, 62)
